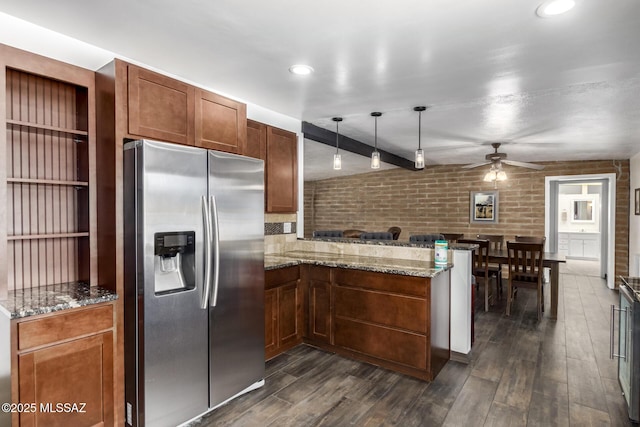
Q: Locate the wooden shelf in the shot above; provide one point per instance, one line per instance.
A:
(47, 236)
(47, 127)
(47, 182)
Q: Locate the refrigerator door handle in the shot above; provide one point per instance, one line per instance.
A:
(206, 285)
(216, 251)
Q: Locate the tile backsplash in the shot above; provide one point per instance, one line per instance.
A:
(275, 238)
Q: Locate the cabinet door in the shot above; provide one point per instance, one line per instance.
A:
(256, 140)
(576, 247)
(71, 383)
(289, 318)
(270, 323)
(220, 123)
(160, 107)
(320, 311)
(591, 248)
(282, 171)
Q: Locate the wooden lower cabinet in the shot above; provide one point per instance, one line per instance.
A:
(283, 310)
(270, 323)
(64, 369)
(318, 281)
(395, 321)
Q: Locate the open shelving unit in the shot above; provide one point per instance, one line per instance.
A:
(47, 181)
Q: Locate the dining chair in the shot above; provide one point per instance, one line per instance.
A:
(481, 267)
(327, 233)
(377, 235)
(351, 233)
(452, 237)
(531, 239)
(426, 238)
(525, 271)
(395, 231)
(496, 243)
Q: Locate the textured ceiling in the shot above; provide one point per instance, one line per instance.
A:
(562, 88)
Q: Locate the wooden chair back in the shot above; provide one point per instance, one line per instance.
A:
(525, 262)
(395, 231)
(531, 239)
(496, 241)
(525, 270)
(452, 237)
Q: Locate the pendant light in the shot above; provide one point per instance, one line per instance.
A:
(337, 159)
(375, 156)
(419, 157)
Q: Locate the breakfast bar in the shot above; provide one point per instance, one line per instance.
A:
(393, 313)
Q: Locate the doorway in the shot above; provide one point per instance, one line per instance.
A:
(578, 209)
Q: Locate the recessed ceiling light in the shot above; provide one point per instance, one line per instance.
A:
(554, 7)
(300, 69)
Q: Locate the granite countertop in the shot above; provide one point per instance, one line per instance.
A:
(404, 267)
(402, 243)
(47, 299)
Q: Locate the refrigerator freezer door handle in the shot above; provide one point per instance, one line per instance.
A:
(206, 285)
(216, 251)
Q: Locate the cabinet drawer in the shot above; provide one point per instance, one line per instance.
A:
(384, 343)
(64, 326)
(279, 276)
(395, 311)
(382, 282)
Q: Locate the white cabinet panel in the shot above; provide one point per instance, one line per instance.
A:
(583, 245)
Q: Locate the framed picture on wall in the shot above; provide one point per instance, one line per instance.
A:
(483, 207)
(637, 201)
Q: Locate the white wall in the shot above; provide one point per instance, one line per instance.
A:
(634, 220)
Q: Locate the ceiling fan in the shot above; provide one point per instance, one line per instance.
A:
(496, 159)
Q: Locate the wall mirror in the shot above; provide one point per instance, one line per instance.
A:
(582, 211)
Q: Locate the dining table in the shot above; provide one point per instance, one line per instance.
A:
(551, 260)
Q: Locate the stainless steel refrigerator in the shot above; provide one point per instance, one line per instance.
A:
(194, 280)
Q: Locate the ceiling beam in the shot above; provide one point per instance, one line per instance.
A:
(325, 136)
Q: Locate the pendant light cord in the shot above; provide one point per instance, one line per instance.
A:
(337, 135)
(375, 141)
(419, 129)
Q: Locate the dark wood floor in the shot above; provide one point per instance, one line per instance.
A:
(522, 373)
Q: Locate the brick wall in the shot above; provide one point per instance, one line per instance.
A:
(437, 200)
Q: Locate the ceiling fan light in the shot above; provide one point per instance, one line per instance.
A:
(501, 176)
(490, 176)
(375, 160)
(337, 161)
(419, 159)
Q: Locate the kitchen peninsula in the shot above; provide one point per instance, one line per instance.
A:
(387, 306)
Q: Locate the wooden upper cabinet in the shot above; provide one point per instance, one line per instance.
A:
(282, 171)
(160, 107)
(220, 123)
(256, 140)
(166, 109)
